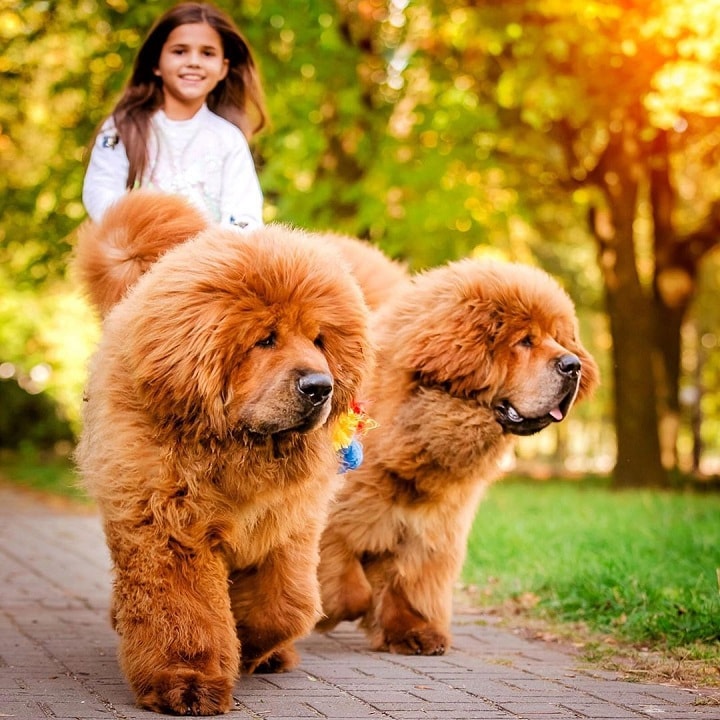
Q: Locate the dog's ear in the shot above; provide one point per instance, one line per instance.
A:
(350, 368)
(347, 346)
(180, 391)
(179, 376)
(590, 373)
(444, 340)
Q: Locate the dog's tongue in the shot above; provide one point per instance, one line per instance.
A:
(556, 414)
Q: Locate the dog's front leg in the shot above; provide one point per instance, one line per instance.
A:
(276, 603)
(346, 592)
(413, 606)
(178, 647)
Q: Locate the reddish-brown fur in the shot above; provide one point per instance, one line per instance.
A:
(455, 346)
(114, 253)
(379, 277)
(212, 475)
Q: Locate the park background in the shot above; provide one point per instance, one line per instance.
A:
(579, 136)
(582, 137)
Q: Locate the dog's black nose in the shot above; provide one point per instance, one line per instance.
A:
(569, 365)
(317, 387)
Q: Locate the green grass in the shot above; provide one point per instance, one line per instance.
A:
(44, 472)
(640, 565)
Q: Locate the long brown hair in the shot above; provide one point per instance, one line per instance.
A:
(239, 98)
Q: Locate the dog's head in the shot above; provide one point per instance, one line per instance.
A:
(502, 335)
(263, 333)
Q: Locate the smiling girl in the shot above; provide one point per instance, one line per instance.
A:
(183, 122)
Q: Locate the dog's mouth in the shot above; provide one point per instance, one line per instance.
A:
(310, 420)
(513, 422)
(314, 418)
(297, 422)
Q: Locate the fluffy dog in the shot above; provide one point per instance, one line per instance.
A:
(207, 439)
(470, 355)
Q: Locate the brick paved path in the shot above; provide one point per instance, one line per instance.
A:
(57, 653)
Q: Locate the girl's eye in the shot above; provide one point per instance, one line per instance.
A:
(267, 342)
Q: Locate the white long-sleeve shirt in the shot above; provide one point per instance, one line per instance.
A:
(205, 159)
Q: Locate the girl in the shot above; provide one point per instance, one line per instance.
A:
(182, 121)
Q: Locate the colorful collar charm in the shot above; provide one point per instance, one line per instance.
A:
(350, 426)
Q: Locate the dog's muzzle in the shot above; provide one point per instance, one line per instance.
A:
(569, 367)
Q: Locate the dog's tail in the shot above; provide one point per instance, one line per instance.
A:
(111, 255)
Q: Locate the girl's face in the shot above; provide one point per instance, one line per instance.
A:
(191, 64)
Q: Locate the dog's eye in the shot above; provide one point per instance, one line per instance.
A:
(268, 341)
(319, 342)
(527, 341)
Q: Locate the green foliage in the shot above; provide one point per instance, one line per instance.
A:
(45, 341)
(43, 108)
(32, 419)
(638, 564)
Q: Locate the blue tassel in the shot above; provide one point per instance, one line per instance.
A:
(351, 457)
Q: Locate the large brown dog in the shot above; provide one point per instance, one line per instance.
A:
(469, 356)
(207, 439)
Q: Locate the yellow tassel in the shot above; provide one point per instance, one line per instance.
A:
(349, 424)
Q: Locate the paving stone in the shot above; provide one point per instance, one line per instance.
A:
(58, 653)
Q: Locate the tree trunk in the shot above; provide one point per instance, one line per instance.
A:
(670, 296)
(677, 259)
(695, 400)
(631, 323)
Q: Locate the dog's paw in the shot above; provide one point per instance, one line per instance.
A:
(188, 692)
(417, 641)
(279, 661)
(348, 597)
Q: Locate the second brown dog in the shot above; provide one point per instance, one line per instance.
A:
(470, 356)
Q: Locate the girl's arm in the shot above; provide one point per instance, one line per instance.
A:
(241, 201)
(106, 173)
